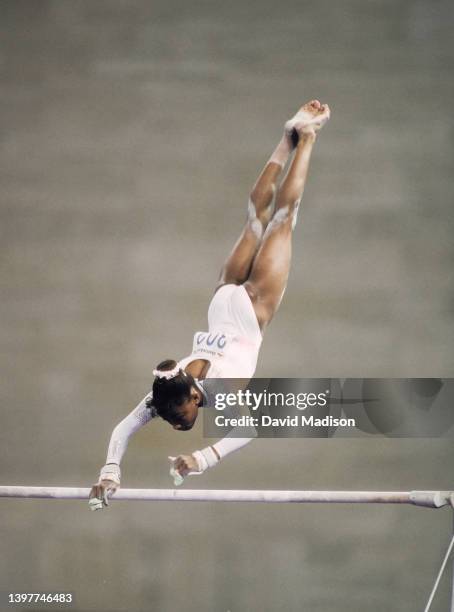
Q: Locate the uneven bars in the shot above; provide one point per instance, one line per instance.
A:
(429, 499)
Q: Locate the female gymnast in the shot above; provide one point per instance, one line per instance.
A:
(250, 288)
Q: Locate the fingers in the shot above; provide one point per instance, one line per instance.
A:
(100, 494)
(181, 466)
(95, 491)
(176, 462)
(325, 110)
(95, 499)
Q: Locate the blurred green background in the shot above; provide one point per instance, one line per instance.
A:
(131, 135)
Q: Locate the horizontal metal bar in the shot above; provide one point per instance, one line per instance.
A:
(430, 499)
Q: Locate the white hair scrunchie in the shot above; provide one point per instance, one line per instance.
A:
(167, 374)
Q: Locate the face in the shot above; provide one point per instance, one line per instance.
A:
(188, 411)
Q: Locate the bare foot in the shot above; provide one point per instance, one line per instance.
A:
(309, 119)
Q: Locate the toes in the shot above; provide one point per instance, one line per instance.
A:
(313, 105)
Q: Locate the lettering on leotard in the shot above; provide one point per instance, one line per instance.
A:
(212, 342)
(222, 341)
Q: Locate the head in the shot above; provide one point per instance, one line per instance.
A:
(176, 399)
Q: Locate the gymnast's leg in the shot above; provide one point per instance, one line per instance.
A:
(271, 265)
(237, 267)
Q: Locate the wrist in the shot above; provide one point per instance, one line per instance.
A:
(218, 456)
(206, 458)
(111, 471)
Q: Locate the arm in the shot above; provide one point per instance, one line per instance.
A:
(109, 477)
(119, 439)
(201, 460)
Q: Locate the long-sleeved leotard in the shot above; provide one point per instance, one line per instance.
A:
(231, 345)
(140, 416)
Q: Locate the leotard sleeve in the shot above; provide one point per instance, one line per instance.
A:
(140, 416)
(229, 445)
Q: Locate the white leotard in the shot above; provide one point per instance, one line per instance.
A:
(231, 345)
(233, 339)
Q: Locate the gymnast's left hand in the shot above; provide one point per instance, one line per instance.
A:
(182, 466)
(185, 464)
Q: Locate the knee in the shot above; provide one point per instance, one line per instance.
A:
(285, 216)
(261, 200)
(257, 220)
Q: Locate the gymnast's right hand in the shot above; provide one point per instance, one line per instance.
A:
(109, 482)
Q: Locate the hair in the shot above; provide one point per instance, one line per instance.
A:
(168, 395)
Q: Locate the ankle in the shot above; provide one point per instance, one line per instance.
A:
(306, 137)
